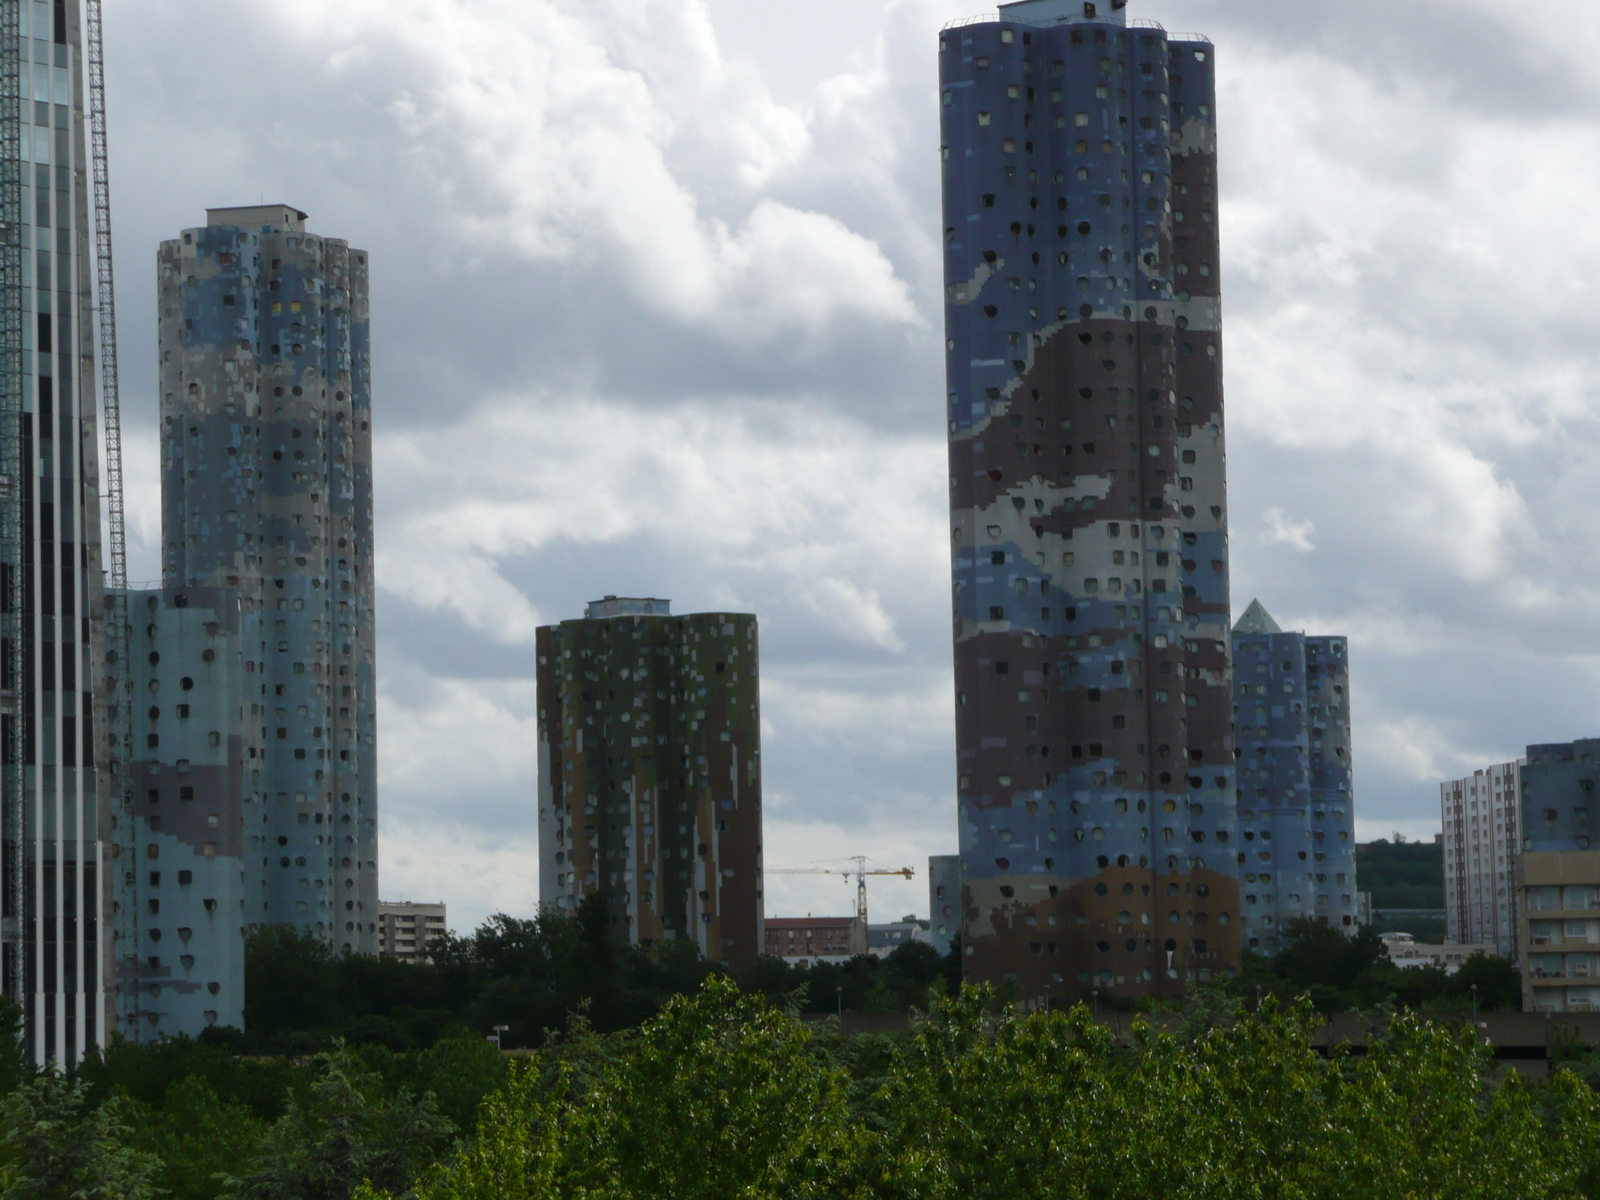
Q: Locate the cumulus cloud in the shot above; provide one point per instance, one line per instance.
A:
(1279, 529)
(657, 291)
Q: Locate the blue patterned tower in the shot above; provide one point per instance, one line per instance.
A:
(1296, 809)
(1088, 502)
(267, 493)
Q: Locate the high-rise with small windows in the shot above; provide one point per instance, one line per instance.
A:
(266, 489)
(650, 773)
(1481, 817)
(1291, 717)
(1088, 502)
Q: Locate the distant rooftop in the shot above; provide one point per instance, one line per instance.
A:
(1256, 619)
(627, 606)
(1052, 12)
(266, 218)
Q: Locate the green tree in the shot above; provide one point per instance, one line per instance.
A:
(198, 1137)
(1497, 979)
(348, 1131)
(54, 1147)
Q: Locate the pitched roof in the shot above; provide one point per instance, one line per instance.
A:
(1256, 619)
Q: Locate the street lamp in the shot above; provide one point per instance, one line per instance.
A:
(839, 991)
(498, 1030)
(1474, 990)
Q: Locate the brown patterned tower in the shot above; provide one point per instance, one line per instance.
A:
(1088, 503)
(650, 773)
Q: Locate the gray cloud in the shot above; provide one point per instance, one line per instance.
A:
(657, 305)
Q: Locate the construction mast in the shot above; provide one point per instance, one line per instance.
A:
(118, 682)
(12, 494)
(860, 871)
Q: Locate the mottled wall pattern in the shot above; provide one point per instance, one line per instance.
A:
(1088, 502)
(266, 457)
(1296, 806)
(183, 893)
(650, 776)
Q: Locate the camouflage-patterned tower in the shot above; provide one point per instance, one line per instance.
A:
(1087, 494)
(267, 492)
(1297, 819)
(650, 773)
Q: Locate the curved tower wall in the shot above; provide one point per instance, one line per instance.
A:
(266, 452)
(1088, 502)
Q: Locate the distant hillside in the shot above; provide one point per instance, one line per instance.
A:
(1401, 874)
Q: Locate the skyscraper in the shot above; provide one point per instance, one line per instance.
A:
(1481, 817)
(650, 773)
(56, 767)
(266, 520)
(1088, 502)
(1296, 807)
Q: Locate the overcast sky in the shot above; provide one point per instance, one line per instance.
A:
(656, 311)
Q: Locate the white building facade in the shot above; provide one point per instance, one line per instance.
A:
(1481, 841)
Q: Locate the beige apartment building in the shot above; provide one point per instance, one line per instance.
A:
(406, 929)
(1561, 931)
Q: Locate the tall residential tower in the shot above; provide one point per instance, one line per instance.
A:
(263, 735)
(1088, 502)
(650, 773)
(1481, 815)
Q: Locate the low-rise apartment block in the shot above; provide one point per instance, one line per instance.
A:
(806, 940)
(405, 930)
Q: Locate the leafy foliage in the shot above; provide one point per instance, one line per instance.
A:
(1340, 974)
(348, 1132)
(54, 1146)
(723, 1096)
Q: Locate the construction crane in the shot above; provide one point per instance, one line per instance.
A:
(860, 871)
(119, 682)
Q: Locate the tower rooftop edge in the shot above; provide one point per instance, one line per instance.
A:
(269, 218)
(627, 606)
(1061, 12)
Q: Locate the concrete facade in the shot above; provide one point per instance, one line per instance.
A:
(1296, 807)
(806, 940)
(60, 817)
(650, 773)
(252, 796)
(1481, 818)
(944, 900)
(182, 899)
(266, 455)
(1095, 774)
(1558, 878)
(405, 929)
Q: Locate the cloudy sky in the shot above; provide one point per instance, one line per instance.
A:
(656, 311)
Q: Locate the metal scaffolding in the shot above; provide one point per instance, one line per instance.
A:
(118, 694)
(13, 495)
